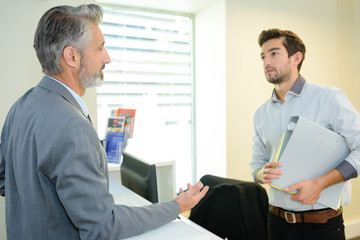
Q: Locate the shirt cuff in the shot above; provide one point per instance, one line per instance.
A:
(347, 170)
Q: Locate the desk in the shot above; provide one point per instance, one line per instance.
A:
(179, 229)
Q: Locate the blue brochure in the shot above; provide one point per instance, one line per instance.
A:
(114, 146)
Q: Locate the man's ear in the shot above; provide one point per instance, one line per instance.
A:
(71, 56)
(298, 56)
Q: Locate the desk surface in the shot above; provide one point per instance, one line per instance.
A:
(179, 229)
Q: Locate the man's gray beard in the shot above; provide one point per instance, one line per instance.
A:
(89, 80)
(95, 80)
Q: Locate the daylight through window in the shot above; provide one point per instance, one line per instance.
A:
(151, 71)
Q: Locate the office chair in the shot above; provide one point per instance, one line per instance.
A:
(233, 209)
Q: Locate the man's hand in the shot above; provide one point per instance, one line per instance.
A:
(310, 190)
(268, 172)
(191, 197)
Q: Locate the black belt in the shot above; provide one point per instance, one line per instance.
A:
(321, 216)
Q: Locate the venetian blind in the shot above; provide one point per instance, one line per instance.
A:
(151, 71)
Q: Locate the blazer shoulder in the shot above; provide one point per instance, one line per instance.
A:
(56, 88)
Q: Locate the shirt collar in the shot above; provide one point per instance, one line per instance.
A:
(296, 89)
(75, 95)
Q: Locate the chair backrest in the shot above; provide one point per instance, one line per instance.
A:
(233, 209)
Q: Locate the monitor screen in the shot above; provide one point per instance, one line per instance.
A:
(139, 176)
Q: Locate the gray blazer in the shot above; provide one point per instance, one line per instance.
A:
(54, 176)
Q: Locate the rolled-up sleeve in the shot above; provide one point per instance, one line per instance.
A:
(345, 120)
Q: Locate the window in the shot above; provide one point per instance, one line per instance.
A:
(151, 71)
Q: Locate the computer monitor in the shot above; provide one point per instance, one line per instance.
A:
(139, 176)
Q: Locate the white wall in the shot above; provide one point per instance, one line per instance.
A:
(210, 90)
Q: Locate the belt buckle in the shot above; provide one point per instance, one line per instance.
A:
(291, 216)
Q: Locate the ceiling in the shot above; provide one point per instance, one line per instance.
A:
(183, 6)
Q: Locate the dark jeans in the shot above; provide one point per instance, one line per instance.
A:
(279, 229)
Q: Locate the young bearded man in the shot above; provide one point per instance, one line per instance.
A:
(300, 216)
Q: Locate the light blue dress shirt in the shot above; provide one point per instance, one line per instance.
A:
(324, 105)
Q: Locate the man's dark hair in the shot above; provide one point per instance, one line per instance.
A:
(292, 42)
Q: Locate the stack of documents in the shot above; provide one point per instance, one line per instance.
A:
(307, 151)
